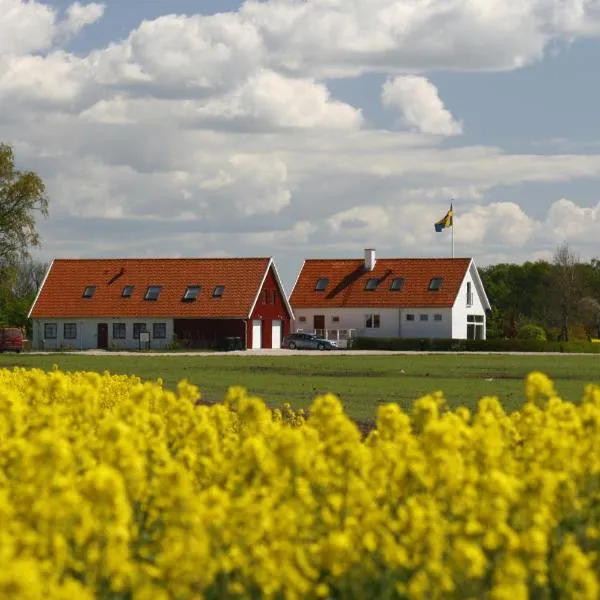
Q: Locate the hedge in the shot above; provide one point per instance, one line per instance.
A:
(451, 345)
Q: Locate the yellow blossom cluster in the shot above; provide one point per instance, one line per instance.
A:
(115, 488)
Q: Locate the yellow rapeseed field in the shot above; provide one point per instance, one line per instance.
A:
(111, 487)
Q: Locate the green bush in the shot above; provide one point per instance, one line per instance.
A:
(532, 332)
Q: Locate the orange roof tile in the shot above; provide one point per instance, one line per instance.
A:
(347, 280)
(62, 292)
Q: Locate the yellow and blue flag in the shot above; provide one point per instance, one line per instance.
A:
(445, 222)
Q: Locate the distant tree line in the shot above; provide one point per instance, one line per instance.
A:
(556, 300)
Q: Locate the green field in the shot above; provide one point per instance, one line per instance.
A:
(362, 382)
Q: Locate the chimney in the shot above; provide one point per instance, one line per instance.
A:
(369, 259)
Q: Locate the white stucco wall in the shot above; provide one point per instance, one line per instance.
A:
(392, 321)
(87, 334)
(461, 310)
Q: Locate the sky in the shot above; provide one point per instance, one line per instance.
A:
(307, 128)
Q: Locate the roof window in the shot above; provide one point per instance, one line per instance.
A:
(218, 291)
(397, 284)
(89, 291)
(127, 291)
(372, 284)
(321, 284)
(435, 284)
(153, 292)
(191, 293)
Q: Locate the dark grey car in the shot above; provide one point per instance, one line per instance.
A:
(307, 341)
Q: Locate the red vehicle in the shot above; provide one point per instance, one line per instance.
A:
(11, 339)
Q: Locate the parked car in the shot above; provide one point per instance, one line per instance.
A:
(307, 341)
(11, 339)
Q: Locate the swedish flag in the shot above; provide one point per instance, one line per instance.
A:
(445, 222)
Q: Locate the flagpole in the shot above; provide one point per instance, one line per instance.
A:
(453, 220)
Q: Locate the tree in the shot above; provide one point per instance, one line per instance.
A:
(588, 310)
(566, 286)
(22, 195)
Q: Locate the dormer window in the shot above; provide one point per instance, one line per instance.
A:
(127, 291)
(153, 292)
(435, 284)
(322, 283)
(89, 291)
(372, 284)
(397, 284)
(218, 291)
(191, 293)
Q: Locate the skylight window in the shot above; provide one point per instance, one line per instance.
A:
(372, 284)
(322, 283)
(191, 293)
(435, 284)
(127, 291)
(218, 291)
(153, 292)
(397, 284)
(89, 291)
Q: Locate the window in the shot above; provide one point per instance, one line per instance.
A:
(264, 296)
(127, 291)
(159, 331)
(321, 284)
(437, 317)
(191, 293)
(50, 330)
(474, 327)
(469, 294)
(153, 292)
(119, 331)
(137, 329)
(89, 291)
(435, 284)
(372, 321)
(410, 317)
(70, 331)
(302, 319)
(423, 317)
(273, 296)
(335, 319)
(372, 284)
(397, 284)
(218, 291)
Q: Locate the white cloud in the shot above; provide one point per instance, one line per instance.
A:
(80, 15)
(220, 135)
(25, 26)
(418, 102)
(33, 26)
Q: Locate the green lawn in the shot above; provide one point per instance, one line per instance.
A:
(362, 382)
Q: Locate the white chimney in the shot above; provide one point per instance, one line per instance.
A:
(369, 259)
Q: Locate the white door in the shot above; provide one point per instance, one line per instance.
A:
(256, 334)
(276, 334)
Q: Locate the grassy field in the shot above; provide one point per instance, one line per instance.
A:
(362, 382)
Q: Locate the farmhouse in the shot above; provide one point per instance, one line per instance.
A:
(390, 297)
(198, 302)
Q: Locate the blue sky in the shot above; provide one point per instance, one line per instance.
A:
(305, 129)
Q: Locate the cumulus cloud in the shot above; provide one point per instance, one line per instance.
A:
(34, 26)
(80, 15)
(418, 102)
(219, 134)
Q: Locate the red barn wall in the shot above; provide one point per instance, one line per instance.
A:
(270, 307)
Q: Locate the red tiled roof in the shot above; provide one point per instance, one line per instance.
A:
(62, 292)
(347, 279)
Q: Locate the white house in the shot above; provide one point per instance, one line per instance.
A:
(152, 302)
(390, 297)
